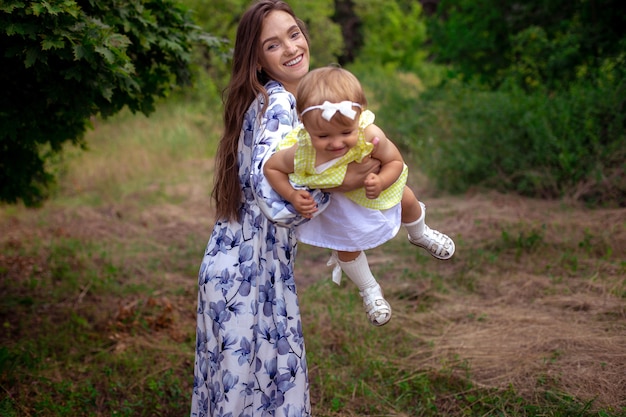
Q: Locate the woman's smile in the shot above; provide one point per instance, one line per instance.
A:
(294, 61)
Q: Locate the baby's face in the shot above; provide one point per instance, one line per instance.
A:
(333, 140)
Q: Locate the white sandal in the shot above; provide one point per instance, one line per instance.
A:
(377, 308)
(436, 243)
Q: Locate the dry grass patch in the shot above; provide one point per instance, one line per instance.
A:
(535, 298)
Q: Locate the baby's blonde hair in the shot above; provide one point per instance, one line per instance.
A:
(332, 84)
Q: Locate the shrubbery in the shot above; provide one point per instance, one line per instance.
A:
(568, 144)
(536, 110)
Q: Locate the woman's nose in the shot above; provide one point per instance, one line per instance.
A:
(290, 48)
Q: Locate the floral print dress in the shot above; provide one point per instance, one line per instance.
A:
(250, 357)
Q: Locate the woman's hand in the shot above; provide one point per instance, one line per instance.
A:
(358, 172)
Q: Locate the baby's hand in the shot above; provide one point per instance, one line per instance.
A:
(373, 186)
(303, 203)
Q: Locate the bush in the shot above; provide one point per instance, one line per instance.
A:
(534, 101)
(568, 144)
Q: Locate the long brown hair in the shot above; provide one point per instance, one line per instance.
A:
(246, 83)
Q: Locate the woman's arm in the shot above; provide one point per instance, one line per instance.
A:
(278, 120)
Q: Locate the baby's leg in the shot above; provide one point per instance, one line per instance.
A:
(355, 266)
(411, 208)
(436, 243)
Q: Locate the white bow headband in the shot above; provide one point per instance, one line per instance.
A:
(329, 109)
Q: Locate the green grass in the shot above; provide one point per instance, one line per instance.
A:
(138, 155)
(98, 293)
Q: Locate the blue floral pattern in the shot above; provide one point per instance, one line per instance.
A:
(250, 355)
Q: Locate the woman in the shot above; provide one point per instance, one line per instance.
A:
(250, 356)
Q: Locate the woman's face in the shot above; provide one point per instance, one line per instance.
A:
(284, 50)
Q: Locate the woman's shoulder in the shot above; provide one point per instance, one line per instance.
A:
(278, 99)
(274, 88)
(279, 96)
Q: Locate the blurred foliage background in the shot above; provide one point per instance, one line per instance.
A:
(525, 97)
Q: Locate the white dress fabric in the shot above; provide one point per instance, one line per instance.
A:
(250, 358)
(347, 226)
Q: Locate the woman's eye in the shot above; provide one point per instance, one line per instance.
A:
(295, 35)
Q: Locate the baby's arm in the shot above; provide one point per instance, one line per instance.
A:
(277, 170)
(357, 172)
(391, 161)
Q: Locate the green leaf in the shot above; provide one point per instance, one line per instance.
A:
(38, 8)
(107, 93)
(32, 54)
(52, 43)
(11, 29)
(106, 53)
(118, 40)
(80, 52)
(9, 7)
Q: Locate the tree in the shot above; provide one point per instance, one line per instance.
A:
(64, 61)
(536, 42)
(534, 99)
(390, 33)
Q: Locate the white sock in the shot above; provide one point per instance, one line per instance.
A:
(416, 228)
(359, 272)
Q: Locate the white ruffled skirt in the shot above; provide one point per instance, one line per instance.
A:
(346, 226)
